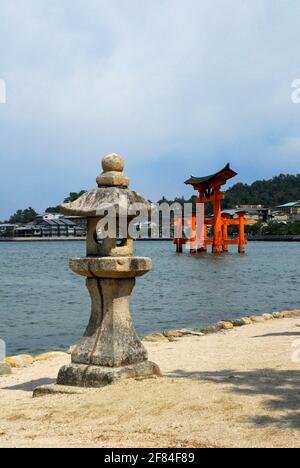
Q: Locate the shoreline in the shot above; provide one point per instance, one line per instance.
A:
(65, 239)
(72, 239)
(44, 239)
(24, 360)
(274, 238)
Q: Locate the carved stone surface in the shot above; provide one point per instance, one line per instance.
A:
(110, 348)
(107, 247)
(113, 163)
(95, 376)
(110, 339)
(114, 179)
(109, 267)
(94, 202)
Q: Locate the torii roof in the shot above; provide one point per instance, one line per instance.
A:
(220, 177)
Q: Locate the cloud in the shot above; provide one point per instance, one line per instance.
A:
(183, 86)
(289, 150)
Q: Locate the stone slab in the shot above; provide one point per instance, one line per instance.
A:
(54, 389)
(80, 375)
(109, 267)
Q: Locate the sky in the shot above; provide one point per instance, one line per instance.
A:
(177, 87)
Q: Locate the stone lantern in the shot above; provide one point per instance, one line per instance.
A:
(110, 348)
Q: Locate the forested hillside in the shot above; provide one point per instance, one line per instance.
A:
(270, 193)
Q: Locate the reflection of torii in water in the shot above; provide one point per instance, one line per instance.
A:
(209, 189)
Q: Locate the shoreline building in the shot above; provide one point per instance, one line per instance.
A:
(7, 230)
(291, 210)
(255, 213)
(51, 225)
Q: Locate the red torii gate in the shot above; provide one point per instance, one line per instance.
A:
(209, 189)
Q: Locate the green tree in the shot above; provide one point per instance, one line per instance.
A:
(73, 196)
(293, 228)
(53, 209)
(23, 216)
(254, 229)
(275, 229)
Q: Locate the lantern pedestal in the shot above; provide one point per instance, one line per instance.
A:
(79, 375)
(110, 348)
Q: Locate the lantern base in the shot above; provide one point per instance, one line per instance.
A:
(81, 375)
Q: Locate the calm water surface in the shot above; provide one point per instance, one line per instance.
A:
(43, 305)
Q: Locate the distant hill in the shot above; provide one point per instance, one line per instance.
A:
(270, 193)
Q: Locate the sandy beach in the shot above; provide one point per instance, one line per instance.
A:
(237, 388)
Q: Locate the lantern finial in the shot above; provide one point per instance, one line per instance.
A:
(112, 175)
